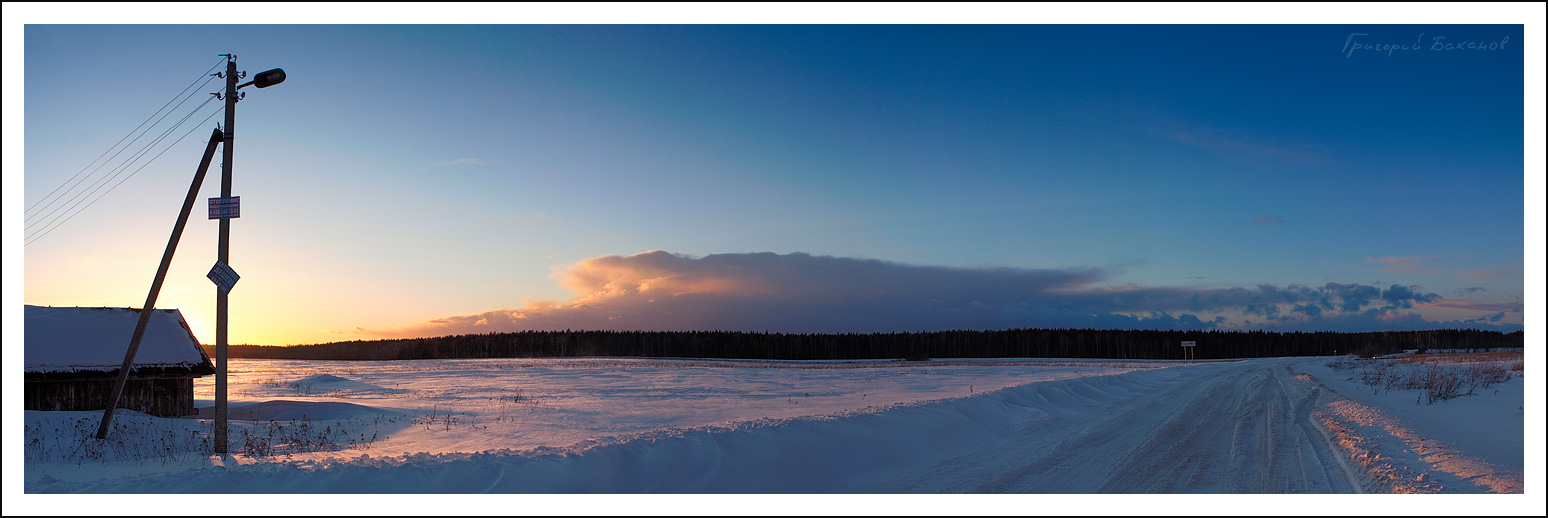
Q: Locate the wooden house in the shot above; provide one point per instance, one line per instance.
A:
(73, 356)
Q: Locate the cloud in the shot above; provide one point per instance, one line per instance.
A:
(802, 293)
(1490, 273)
(1412, 264)
(1352, 296)
(1472, 305)
(1400, 296)
(1269, 219)
(1311, 310)
(797, 292)
(1247, 149)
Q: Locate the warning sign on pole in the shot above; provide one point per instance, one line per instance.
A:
(223, 276)
(226, 208)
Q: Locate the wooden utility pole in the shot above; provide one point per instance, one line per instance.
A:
(223, 208)
(155, 289)
(223, 256)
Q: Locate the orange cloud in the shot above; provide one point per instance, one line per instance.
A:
(657, 290)
(654, 273)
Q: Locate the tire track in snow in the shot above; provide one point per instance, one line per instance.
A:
(1227, 428)
(1310, 448)
(1172, 455)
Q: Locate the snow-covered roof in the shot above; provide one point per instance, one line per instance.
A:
(68, 339)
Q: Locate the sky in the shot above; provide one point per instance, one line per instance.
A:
(996, 167)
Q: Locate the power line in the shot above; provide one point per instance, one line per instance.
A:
(95, 186)
(131, 132)
(41, 233)
(46, 231)
(119, 170)
(134, 156)
(121, 140)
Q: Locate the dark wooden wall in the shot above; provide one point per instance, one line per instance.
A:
(162, 396)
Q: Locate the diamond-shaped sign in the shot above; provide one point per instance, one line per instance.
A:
(223, 276)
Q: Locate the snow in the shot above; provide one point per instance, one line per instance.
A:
(1067, 430)
(70, 338)
(1488, 424)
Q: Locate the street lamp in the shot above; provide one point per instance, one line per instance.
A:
(263, 79)
(267, 78)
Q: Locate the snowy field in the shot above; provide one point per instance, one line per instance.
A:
(1063, 429)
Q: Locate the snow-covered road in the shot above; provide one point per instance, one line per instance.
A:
(1217, 428)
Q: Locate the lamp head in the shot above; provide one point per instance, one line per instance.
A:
(269, 78)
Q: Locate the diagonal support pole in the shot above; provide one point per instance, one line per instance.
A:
(155, 290)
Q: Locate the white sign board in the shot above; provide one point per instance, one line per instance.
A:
(226, 208)
(1189, 344)
(223, 276)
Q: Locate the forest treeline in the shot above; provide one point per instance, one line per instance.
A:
(1012, 343)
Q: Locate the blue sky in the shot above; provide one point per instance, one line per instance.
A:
(413, 179)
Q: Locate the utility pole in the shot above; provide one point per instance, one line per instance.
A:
(223, 256)
(223, 208)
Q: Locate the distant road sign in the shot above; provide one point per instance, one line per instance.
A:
(223, 276)
(1189, 343)
(226, 208)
